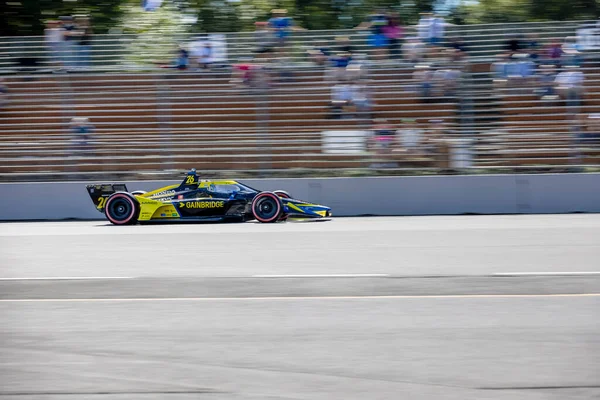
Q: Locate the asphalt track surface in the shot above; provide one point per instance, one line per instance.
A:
(478, 307)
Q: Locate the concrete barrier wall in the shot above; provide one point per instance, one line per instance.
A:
(434, 195)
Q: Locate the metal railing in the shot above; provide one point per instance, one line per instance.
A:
(118, 52)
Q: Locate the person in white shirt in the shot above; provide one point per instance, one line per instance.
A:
(413, 50)
(53, 37)
(410, 136)
(362, 99)
(436, 30)
(341, 97)
(569, 85)
(423, 27)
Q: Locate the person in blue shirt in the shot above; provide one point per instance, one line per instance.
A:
(281, 25)
(377, 39)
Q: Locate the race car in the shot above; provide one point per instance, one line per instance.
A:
(200, 200)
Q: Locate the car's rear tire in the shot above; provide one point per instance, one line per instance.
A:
(267, 207)
(122, 209)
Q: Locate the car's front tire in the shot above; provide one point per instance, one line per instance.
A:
(122, 209)
(267, 207)
(283, 194)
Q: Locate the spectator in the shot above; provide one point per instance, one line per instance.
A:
(362, 100)
(83, 45)
(183, 59)
(533, 47)
(319, 54)
(383, 138)
(339, 60)
(181, 62)
(53, 36)
(205, 58)
(445, 82)
(555, 52)
(569, 85)
(570, 50)
(281, 26)
(377, 39)
(251, 74)
(499, 72)
(411, 136)
(341, 99)
(423, 77)
(413, 50)
(423, 27)
(394, 32)
(264, 37)
(3, 93)
(437, 26)
(241, 75)
(82, 132)
(357, 68)
(458, 49)
(513, 46)
(344, 45)
(70, 34)
(515, 70)
(546, 82)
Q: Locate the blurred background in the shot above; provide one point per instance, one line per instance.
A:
(145, 89)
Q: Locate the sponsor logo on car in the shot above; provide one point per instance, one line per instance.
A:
(164, 193)
(202, 204)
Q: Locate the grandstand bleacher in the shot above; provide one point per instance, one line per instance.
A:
(155, 120)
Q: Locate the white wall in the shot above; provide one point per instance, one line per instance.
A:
(481, 194)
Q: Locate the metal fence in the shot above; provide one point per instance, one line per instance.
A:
(472, 115)
(114, 52)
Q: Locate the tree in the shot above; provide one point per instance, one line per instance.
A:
(498, 11)
(27, 17)
(151, 36)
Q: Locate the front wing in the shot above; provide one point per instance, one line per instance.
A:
(300, 209)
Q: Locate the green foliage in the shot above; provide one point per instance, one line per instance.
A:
(28, 17)
(151, 36)
(498, 11)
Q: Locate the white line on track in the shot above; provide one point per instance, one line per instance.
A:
(167, 299)
(566, 273)
(325, 276)
(65, 278)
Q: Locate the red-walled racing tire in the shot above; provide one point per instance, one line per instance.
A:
(267, 207)
(122, 209)
(283, 194)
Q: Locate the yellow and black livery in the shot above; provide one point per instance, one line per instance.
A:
(200, 200)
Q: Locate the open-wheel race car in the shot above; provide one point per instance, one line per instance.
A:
(200, 200)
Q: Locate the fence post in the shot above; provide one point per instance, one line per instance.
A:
(263, 142)
(466, 142)
(163, 116)
(67, 106)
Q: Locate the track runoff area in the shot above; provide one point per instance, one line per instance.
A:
(477, 307)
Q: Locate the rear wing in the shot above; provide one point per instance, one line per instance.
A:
(100, 192)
